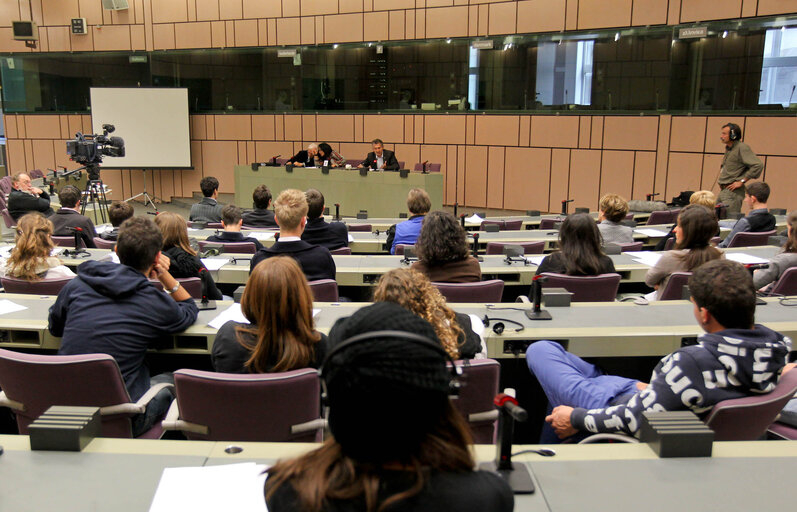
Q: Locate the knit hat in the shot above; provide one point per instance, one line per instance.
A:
(384, 394)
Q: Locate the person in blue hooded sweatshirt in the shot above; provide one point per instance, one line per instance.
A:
(113, 309)
(734, 358)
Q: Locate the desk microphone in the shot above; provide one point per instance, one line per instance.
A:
(462, 220)
(456, 205)
(649, 197)
(274, 160)
(564, 205)
(337, 211)
(536, 312)
(424, 171)
(476, 247)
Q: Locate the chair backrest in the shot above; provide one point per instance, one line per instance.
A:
(661, 217)
(401, 164)
(751, 239)
(249, 407)
(40, 381)
(7, 218)
(429, 167)
(528, 247)
(282, 161)
(231, 247)
(215, 225)
(359, 227)
(600, 288)
(3, 201)
(102, 243)
(324, 290)
(400, 249)
(747, 418)
(674, 288)
(549, 223)
(483, 226)
(354, 162)
(5, 184)
(628, 246)
(787, 283)
(480, 378)
(669, 244)
(193, 285)
(35, 174)
(482, 291)
(341, 251)
(64, 241)
(513, 225)
(42, 287)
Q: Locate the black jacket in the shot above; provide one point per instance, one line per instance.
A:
(20, 203)
(233, 237)
(302, 158)
(391, 164)
(184, 264)
(332, 235)
(260, 218)
(316, 262)
(555, 263)
(113, 309)
(65, 218)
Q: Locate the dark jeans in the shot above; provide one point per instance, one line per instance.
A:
(157, 407)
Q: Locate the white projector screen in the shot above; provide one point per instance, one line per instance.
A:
(153, 123)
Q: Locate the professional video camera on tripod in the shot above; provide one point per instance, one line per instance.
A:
(88, 150)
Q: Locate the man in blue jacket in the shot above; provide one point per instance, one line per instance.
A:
(113, 309)
(734, 358)
(407, 232)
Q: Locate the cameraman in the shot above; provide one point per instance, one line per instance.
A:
(26, 198)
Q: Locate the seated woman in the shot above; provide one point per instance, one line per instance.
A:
(329, 155)
(442, 250)
(704, 197)
(397, 441)
(612, 209)
(696, 226)
(580, 252)
(414, 292)
(184, 261)
(280, 336)
(30, 257)
(782, 261)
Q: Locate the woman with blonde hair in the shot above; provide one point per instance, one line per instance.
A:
(30, 257)
(413, 291)
(702, 197)
(280, 336)
(183, 258)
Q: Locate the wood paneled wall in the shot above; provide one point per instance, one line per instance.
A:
(169, 24)
(516, 162)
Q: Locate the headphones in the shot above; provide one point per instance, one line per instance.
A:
(499, 327)
(455, 372)
(735, 132)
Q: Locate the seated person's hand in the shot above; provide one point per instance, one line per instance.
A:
(36, 190)
(164, 261)
(160, 269)
(789, 367)
(560, 421)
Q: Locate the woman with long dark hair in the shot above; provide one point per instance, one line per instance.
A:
(580, 252)
(397, 441)
(696, 226)
(329, 155)
(442, 249)
(782, 261)
(280, 336)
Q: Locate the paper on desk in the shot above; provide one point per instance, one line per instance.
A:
(56, 251)
(214, 263)
(231, 313)
(103, 228)
(474, 219)
(351, 238)
(262, 235)
(211, 488)
(648, 258)
(745, 259)
(650, 232)
(535, 260)
(5, 252)
(6, 306)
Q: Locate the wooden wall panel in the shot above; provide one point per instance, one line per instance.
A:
(495, 177)
(527, 174)
(617, 173)
(560, 179)
(700, 10)
(43, 126)
(688, 133)
(389, 128)
(769, 7)
(771, 135)
(780, 176)
(644, 170)
(554, 131)
(603, 13)
(497, 130)
(216, 159)
(711, 171)
(540, 16)
(626, 132)
(443, 129)
(476, 176)
(233, 127)
(649, 12)
(684, 172)
(446, 22)
(585, 175)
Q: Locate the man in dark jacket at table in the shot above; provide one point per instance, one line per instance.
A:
(25, 198)
(260, 216)
(380, 159)
(332, 235)
(68, 218)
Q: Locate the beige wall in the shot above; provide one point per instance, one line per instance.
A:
(168, 24)
(513, 162)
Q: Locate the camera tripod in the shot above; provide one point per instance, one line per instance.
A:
(94, 193)
(148, 199)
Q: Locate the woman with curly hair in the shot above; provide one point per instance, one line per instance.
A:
(30, 258)
(413, 291)
(442, 249)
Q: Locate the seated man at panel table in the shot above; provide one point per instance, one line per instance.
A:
(291, 212)
(117, 213)
(332, 235)
(758, 218)
(305, 157)
(113, 309)
(208, 208)
(25, 198)
(733, 359)
(231, 221)
(406, 233)
(68, 217)
(380, 158)
(260, 216)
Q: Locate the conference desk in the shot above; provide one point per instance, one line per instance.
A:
(123, 474)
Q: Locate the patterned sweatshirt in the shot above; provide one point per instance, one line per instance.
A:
(724, 365)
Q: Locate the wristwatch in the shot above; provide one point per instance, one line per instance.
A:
(743, 181)
(176, 287)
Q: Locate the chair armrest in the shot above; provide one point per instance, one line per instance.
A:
(483, 416)
(603, 438)
(172, 421)
(309, 426)
(523, 298)
(11, 404)
(138, 407)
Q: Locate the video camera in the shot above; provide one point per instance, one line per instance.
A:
(88, 150)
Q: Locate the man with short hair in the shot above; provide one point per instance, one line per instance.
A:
(332, 235)
(117, 213)
(407, 232)
(734, 358)
(739, 165)
(231, 221)
(305, 157)
(291, 211)
(113, 309)
(380, 158)
(68, 217)
(758, 218)
(208, 208)
(260, 216)
(25, 198)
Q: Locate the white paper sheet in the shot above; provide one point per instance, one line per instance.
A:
(231, 313)
(535, 260)
(103, 228)
(56, 251)
(650, 232)
(316, 312)
(211, 488)
(6, 306)
(649, 258)
(261, 235)
(351, 238)
(5, 252)
(214, 263)
(745, 259)
(474, 219)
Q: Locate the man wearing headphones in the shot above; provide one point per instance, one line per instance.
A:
(739, 165)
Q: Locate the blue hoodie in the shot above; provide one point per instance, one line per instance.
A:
(724, 365)
(113, 309)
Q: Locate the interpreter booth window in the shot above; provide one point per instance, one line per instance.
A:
(779, 69)
(564, 73)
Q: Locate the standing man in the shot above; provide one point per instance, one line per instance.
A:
(380, 158)
(739, 166)
(26, 198)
